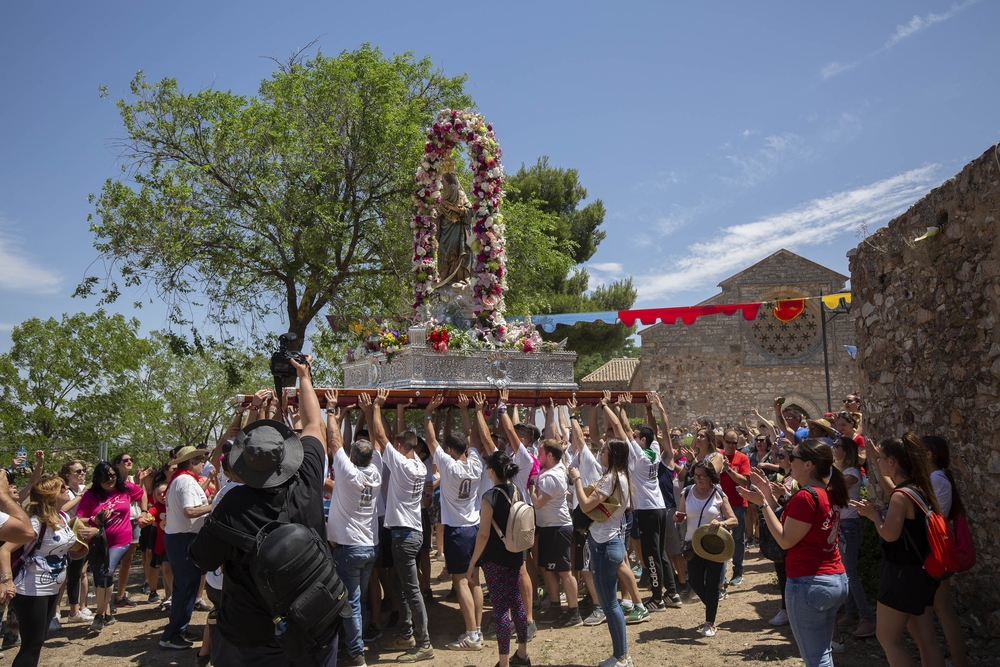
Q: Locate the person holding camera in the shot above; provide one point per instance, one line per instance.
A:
(279, 469)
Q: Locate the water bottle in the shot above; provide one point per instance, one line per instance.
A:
(280, 626)
(22, 452)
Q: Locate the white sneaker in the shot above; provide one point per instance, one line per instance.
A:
(54, 625)
(612, 662)
(596, 617)
(78, 617)
(837, 647)
(86, 613)
(781, 618)
(708, 630)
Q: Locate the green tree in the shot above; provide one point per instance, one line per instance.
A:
(549, 268)
(289, 202)
(558, 191)
(59, 372)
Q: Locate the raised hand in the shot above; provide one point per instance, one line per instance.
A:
(365, 402)
(435, 403)
(479, 401)
(463, 401)
(331, 396)
(571, 403)
(605, 397)
(380, 397)
(624, 398)
(504, 395)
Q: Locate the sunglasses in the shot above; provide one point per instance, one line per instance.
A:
(126, 460)
(837, 445)
(78, 472)
(701, 476)
(851, 400)
(761, 440)
(781, 457)
(793, 456)
(732, 442)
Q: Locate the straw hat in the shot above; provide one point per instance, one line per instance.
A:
(715, 544)
(188, 453)
(79, 549)
(825, 426)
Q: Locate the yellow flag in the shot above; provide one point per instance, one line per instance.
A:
(831, 301)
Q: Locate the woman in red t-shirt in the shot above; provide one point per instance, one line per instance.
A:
(808, 528)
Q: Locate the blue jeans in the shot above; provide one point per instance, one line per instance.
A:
(857, 601)
(354, 565)
(187, 578)
(604, 561)
(740, 538)
(812, 612)
(406, 545)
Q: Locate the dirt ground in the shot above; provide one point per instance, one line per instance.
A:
(669, 638)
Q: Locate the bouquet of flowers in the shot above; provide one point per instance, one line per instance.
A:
(438, 339)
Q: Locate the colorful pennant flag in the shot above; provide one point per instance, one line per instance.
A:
(788, 309)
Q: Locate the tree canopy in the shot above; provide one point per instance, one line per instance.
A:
(289, 202)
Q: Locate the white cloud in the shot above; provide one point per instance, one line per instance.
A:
(20, 273)
(4, 326)
(602, 273)
(835, 68)
(734, 248)
(777, 152)
(903, 30)
(917, 24)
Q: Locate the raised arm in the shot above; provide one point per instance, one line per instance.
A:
(447, 423)
(768, 426)
(479, 400)
(310, 415)
(595, 428)
(17, 529)
(576, 440)
(430, 435)
(779, 420)
(505, 423)
(36, 474)
(463, 410)
(611, 418)
(334, 440)
(371, 413)
(550, 421)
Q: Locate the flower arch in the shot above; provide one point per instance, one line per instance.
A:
(489, 271)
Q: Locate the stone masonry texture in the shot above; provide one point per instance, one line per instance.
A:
(721, 366)
(926, 322)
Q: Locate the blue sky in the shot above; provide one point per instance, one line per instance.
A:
(715, 133)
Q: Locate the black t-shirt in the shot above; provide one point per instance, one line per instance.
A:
(495, 551)
(244, 619)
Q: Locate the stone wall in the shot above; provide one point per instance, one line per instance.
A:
(719, 367)
(929, 349)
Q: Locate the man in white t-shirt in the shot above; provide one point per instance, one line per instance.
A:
(405, 489)
(651, 516)
(554, 533)
(187, 507)
(352, 523)
(460, 468)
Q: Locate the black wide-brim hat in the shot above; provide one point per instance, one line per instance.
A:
(266, 454)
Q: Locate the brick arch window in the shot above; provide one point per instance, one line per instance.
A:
(787, 341)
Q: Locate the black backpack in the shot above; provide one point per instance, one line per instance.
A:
(295, 574)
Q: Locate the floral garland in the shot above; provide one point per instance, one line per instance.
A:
(444, 337)
(489, 270)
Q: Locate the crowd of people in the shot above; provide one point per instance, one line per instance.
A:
(627, 521)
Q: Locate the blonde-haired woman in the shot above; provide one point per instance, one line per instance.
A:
(43, 568)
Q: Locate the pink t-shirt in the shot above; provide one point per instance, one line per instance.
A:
(119, 526)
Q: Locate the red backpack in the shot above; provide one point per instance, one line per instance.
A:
(963, 540)
(942, 555)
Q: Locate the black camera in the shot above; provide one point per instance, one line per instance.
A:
(281, 361)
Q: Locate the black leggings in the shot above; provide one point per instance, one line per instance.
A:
(34, 615)
(779, 568)
(652, 529)
(73, 575)
(703, 575)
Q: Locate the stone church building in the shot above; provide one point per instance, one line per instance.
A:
(722, 366)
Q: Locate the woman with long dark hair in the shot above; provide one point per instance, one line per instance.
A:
(905, 591)
(108, 502)
(808, 528)
(858, 613)
(502, 568)
(606, 538)
(43, 566)
(704, 503)
(950, 501)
